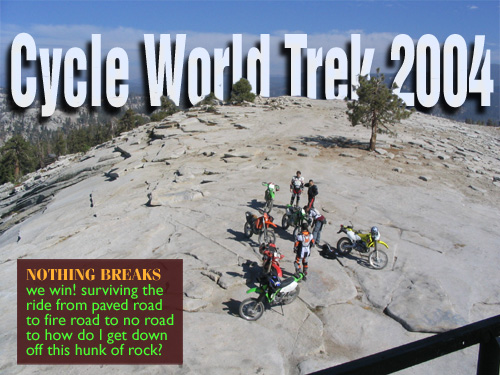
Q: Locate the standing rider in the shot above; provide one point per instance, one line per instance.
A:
(296, 186)
(317, 221)
(302, 248)
(312, 191)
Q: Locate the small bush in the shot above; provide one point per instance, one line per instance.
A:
(158, 116)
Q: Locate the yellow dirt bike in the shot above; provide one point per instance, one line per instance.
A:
(364, 243)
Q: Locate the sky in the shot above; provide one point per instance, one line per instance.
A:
(211, 24)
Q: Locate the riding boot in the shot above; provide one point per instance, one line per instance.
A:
(297, 268)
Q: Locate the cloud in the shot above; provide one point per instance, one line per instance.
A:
(472, 7)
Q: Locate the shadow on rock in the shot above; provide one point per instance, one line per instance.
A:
(251, 273)
(284, 234)
(232, 307)
(255, 204)
(238, 236)
(339, 141)
(111, 175)
(360, 260)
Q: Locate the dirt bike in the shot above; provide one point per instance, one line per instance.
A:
(364, 244)
(271, 259)
(261, 227)
(293, 216)
(286, 293)
(269, 195)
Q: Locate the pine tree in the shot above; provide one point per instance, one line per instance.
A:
(242, 91)
(17, 159)
(127, 122)
(377, 106)
(168, 106)
(60, 144)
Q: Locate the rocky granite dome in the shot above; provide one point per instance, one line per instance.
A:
(180, 189)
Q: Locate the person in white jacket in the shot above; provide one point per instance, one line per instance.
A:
(296, 186)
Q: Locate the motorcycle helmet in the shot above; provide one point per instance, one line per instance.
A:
(274, 282)
(305, 227)
(374, 231)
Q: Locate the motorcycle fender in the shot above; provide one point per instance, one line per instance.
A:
(289, 288)
(257, 290)
(383, 243)
(352, 236)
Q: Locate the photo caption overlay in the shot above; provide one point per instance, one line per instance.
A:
(105, 311)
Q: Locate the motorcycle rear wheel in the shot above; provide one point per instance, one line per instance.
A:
(378, 261)
(255, 230)
(267, 236)
(292, 296)
(285, 222)
(344, 246)
(248, 230)
(251, 310)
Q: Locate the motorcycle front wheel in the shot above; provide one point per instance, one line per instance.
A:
(344, 246)
(251, 310)
(285, 222)
(268, 206)
(292, 296)
(248, 230)
(378, 259)
(267, 236)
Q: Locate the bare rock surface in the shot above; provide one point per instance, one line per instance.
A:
(327, 285)
(421, 305)
(183, 195)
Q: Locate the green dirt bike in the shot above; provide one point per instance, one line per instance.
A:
(269, 195)
(286, 293)
(294, 216)
(364, 243)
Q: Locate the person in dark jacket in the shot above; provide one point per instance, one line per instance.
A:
(312, 192)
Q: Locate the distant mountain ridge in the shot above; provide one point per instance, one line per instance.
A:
(25, 121)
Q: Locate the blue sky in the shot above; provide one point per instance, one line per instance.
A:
(210, 24)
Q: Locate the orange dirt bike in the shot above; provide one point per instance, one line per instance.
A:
(261, 226)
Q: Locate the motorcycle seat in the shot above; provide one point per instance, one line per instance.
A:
(287, 282)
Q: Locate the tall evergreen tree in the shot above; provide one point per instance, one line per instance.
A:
(17, 159)
(60, 144)
(377, 106)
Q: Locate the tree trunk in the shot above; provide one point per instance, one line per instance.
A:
(17, 170)
(373, 139)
